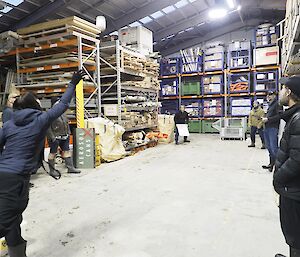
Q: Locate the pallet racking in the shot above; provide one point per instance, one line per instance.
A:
(129, 87)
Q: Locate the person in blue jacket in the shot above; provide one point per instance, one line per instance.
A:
(21, 150)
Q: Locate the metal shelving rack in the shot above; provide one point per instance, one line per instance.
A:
(119, 79)
(289, 37)
(54, 77)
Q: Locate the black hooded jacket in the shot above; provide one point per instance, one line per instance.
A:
(286, 178)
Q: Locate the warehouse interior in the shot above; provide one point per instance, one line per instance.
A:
(147, 184)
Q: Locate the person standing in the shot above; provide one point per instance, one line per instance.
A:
(21, 154)
(58, 135)
(272, 121)
(286, 178)
(256, 124)
(8, 109)
(181, 117)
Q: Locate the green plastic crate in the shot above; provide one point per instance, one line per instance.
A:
(195, 126)
(190, 88)
(207, 126)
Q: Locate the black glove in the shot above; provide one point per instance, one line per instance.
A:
(77, 76)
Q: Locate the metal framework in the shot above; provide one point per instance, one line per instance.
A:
(113, 83)
(87, 48)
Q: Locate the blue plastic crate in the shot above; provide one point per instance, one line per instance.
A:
(267, 36)
(239, 82)
(265, 81)
(213, 84)
(239, 55)
(240, 107)
(193, 107)
(213, 107)
(169, 106)
(169, 87)
(170, 66)
(192, 66)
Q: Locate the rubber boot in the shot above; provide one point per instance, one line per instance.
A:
(52, 170)
(279, 255)
(70, 166)
(252, 145)
(17, 251)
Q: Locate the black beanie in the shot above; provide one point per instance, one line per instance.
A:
(293, 83)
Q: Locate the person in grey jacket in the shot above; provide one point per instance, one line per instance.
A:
(22, 141)
(58, 135)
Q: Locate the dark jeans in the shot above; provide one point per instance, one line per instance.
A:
(290, 222)
(177, 135)
(271, 142)
(253, 133)
(63, 144)
(14, 197)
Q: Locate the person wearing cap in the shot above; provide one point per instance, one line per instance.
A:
(8, 109)
(286, 178)
(58, 135)
(256, 124)
(272, 121)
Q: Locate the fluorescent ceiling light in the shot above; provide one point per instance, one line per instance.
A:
(6, 9)
(157, 15)
(180, 32)
(217, 13)
(189, 29)
(146, 19)
(230, 3)
(239, 7)
(14, 2)
(192, 1)
(169, 9)
(135, 24)
(181, 3)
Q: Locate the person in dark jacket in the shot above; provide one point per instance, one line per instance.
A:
(286, 178)
(21, 145)
(272, 121)
(181, 117)
(58, 135)
(8, 109)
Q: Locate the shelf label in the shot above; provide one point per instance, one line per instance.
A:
(57, 90)
(40, 68)
(40, 91)
(55, 66)
(53, 45)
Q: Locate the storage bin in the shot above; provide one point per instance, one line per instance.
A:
(195, 126)
(190, 88)
(207, 126)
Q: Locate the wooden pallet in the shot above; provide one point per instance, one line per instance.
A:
(59, 23)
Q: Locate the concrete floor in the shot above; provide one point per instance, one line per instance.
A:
(207, 198)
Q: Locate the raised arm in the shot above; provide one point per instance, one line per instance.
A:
(63, 104)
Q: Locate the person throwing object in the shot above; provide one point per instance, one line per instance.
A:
(21, 154)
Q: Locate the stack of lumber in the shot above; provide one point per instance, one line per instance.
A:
(49, 52)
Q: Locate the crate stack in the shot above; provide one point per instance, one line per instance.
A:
(239, 63)
(170, 68)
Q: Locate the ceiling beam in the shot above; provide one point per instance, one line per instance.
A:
(181, 25)
(38, 14)
(137, 14)
(220, 31)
